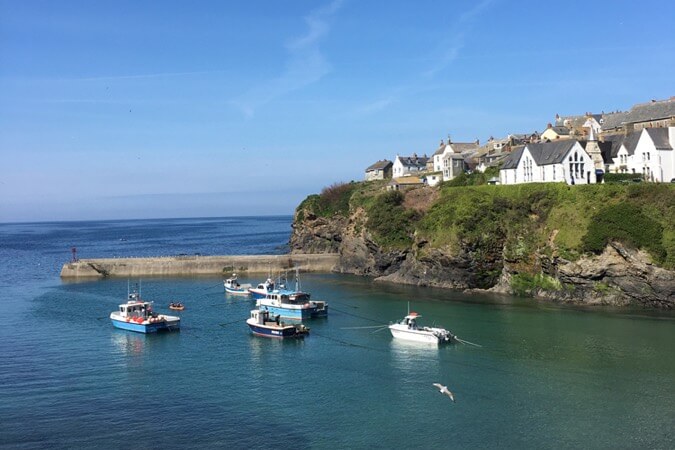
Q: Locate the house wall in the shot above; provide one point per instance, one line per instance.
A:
(434, 178)
(438, 159)
(398, 169)
(549, 134)
(622, 163)
(373, 175)
(578, 166)
(527, 171)
(452, 167)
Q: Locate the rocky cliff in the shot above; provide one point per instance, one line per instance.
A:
(505, 254)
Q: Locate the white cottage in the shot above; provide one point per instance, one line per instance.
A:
(446, 154)
(647, 153)
(559, 161)
(409, 165)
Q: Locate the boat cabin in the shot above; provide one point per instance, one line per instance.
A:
(136, 309)
(410, 321)
(261, 317)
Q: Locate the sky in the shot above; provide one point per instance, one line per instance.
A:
(131, 109)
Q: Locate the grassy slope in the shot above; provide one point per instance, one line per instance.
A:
(521, 218)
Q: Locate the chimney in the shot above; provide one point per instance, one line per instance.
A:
(548, 125)
(441, 142)
(477, 141)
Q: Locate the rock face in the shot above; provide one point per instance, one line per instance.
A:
(619, 276)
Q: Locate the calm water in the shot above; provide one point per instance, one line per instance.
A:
(545, 376)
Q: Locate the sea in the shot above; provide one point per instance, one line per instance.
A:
(530, 374)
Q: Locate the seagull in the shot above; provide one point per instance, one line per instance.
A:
(444, 390)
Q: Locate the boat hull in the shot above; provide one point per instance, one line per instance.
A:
(289, 313)
(257, 293)
(146, 328)
(237, 291)
(414, 335)
(275, 331)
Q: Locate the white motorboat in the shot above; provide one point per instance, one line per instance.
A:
(408, 329)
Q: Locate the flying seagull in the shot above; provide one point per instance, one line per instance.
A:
(444, 390)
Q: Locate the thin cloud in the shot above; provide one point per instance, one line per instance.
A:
(305, 64)
(453, 45)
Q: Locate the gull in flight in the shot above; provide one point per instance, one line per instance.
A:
(444, 390)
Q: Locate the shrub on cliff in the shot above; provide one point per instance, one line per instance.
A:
(391, 225)
(627, 223)
(334, 199)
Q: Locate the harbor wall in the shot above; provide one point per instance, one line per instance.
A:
(197, 265)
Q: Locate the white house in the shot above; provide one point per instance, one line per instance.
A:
(442, 158)
(558, 161)
(409, 165)
(648, 153)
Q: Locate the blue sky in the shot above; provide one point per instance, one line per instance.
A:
(131, 109)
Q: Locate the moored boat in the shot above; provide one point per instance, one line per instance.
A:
(138, 315)
(177, 306)
(260, 324)
(292, 304)
(232, 286)
(262, 289)
(409, 330)
(287, 304)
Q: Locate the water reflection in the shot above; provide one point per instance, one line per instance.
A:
(128, 344)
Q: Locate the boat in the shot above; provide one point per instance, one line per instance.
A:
(262, 289)
(289, 305)
(138, 315)
(232, 286)
(409, 330)
(292, 304)
(260, 324)
(176, 306)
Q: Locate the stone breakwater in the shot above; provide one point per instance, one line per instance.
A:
(197, 265)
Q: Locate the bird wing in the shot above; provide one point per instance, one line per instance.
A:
(438, 385)
(452, 397)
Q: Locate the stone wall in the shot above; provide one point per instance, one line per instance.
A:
(197, 265)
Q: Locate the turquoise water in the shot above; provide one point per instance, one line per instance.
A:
(545, 376)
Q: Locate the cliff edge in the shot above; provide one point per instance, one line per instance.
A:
(597, 244)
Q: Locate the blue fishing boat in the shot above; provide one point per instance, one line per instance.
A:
(262, 289)
(292, 304)
(286, 304)
(232, 286)
(138, 315)
(260, 324)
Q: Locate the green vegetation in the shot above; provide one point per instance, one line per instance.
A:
(526, 284)
(473, 179)
(516, 222)
(622, 177)
(627, 223)
(391, 225)
(333, 200)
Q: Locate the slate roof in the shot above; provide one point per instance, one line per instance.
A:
(563, 131)
(644, 112)
(511, 160)
(458, 147)
(380, 165)
(550, 152)
(660, 137)
(543, 153)
(415, 161)
(615, 140)
(464, 147)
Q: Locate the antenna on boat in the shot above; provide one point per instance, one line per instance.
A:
(408, 308)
